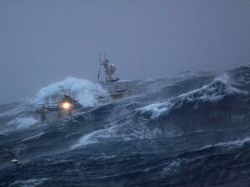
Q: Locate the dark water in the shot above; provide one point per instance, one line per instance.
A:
(191, 130)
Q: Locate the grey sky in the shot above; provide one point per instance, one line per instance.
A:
(43, 41)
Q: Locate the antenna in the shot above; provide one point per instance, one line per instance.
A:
(104, 53)
(100, 66)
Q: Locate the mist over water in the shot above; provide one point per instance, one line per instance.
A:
(44, 42)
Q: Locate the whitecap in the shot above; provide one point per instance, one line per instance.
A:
(86, 92)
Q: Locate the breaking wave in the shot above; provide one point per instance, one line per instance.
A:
(86, 92)
(211, 93)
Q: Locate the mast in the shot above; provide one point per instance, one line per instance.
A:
(108, 67)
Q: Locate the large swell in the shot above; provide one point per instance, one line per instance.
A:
(188, 130)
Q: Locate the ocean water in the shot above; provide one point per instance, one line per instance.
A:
(189, 130)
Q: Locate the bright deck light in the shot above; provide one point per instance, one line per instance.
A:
(66, 106)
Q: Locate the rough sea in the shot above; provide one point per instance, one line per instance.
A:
(192, 129)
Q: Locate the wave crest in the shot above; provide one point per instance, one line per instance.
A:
(86, 92)
(211, 93)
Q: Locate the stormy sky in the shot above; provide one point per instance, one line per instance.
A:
(44, 41)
